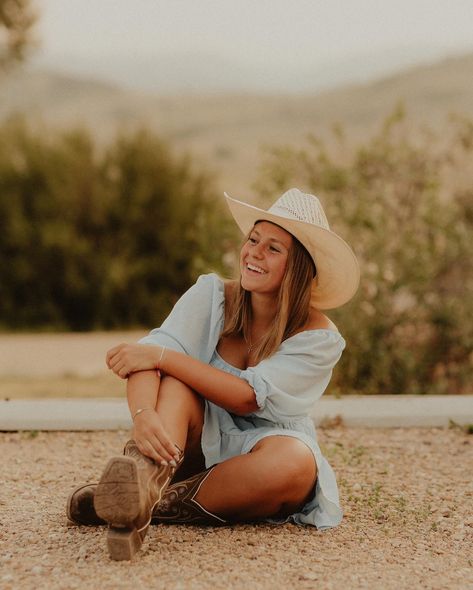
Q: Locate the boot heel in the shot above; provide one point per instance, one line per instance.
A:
(123, 543)
(117, 497)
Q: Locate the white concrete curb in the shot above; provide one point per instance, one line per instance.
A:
(397, 410)
(65, 414)
(354, 411)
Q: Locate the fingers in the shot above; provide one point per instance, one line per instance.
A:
(120, 368)
(153, 440)
(128, 358)
(148, 449)
(113, 352)
(116, 361)
(162, 451)
(167, 449)
(156, 451)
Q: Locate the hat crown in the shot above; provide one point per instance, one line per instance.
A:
(294, 204)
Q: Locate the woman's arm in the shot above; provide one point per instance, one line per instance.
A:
(148, 432)
(221, 388)
(142, 390)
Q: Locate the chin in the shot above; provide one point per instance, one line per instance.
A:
(246, 285)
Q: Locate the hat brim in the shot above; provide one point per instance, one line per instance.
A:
(338, 272)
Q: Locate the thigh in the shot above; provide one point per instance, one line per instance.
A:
(274, 479)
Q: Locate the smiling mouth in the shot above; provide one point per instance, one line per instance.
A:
(255, 269)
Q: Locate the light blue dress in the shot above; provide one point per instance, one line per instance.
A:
(286, 386)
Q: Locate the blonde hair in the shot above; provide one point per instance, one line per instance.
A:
(292, 309)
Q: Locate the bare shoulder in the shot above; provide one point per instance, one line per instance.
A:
(230, 287)
(319, 321)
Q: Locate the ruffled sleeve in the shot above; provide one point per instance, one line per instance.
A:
(287, 384)
(193, 327)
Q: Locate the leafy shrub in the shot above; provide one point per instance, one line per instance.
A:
(403, 200)
(100, 238)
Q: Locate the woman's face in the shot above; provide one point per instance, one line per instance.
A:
(263, 258)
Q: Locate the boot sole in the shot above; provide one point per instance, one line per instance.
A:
(117, 497)
(123, 543)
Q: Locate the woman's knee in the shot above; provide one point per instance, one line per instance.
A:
(175, 392)
(172, 386)
(291, 467)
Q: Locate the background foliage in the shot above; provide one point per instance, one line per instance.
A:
(404, 201)
(110, 237)
(104, 238)
(17, 20)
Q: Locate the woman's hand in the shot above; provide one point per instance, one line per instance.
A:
(129, 358)
(152, 438)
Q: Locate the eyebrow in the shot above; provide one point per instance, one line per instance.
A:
(255, 231)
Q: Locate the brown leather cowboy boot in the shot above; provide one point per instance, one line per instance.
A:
(128, 491)
(180, 506)
(80, 506)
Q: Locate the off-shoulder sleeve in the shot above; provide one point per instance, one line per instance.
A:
(195, 322)
(288, 383)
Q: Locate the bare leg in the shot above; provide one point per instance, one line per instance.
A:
(133, 485)
(182, 413)
(275, 478)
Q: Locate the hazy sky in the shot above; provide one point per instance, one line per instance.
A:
(250, 45)
(272, 31)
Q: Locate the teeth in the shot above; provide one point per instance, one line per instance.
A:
(255, 268)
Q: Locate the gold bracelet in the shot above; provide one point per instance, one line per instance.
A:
(163, 350)
(138, 411)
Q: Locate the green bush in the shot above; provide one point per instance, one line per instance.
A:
(404, 201)
(100, 238)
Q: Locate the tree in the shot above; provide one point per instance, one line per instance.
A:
(17, 19)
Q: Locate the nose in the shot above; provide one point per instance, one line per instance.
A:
(258, 250)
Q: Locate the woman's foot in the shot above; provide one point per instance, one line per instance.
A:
(130, 488)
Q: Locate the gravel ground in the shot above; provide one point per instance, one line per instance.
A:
(407, 493)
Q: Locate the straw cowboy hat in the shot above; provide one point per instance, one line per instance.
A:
(302, 215)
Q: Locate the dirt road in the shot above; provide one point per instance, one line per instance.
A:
(407, 495)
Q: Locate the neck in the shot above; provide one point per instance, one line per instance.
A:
(263, 308)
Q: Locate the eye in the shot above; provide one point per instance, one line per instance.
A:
(274, 249)
(252, 240)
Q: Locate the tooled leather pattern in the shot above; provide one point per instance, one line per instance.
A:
(179, 506)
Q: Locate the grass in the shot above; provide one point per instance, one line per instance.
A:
(466, 428)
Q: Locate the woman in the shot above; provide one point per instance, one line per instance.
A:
(220, 394)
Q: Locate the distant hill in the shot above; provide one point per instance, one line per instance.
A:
(228, 130)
